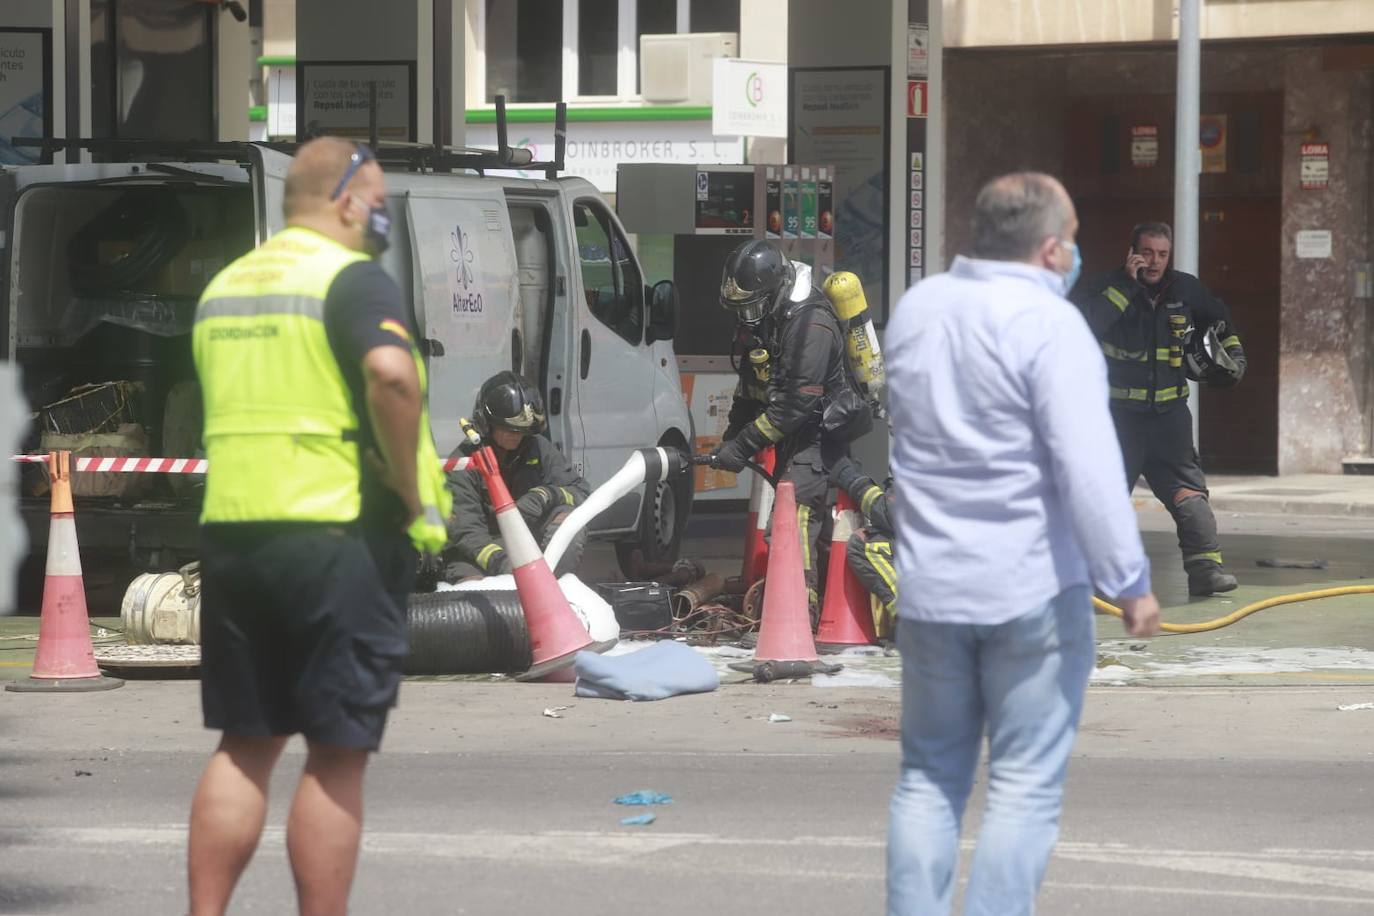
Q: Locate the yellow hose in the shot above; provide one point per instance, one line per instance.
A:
(1219, 622)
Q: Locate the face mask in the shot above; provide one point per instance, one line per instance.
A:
(377, 232)
(1075, 268)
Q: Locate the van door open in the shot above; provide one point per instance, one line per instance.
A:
(615, 375)
(269, 169)
(466, 290)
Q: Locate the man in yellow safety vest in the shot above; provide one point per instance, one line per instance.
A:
(323, 484)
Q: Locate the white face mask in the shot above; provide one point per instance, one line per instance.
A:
(1075, 268)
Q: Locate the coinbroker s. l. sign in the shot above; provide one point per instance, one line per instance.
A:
(748, 98)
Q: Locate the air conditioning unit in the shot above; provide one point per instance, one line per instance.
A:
(676, 69)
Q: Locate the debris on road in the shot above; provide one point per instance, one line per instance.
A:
(1291, 564)
(779, 717)
(555, 712)
(638, 820)
(1351, 707)
(644, 797)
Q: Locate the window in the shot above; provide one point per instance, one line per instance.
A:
(714, 16)
(152, 70)
(598, 46)
(524, 50)
(653, 17)
(610, 277)
(531, 57)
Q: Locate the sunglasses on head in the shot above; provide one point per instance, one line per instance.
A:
(361, 155)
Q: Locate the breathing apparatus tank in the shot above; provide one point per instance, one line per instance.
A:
(846, 295)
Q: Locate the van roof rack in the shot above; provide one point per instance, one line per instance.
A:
(415, 157)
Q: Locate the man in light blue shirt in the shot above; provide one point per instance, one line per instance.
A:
(1009, 511)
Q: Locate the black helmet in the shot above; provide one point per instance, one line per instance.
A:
(1205, 360)
(757, 275)
(509, 401)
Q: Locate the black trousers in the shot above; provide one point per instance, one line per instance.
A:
(808, 468)
(1160, 446)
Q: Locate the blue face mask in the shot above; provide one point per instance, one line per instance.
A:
(1075, 268)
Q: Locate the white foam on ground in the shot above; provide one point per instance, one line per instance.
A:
(1214, 661)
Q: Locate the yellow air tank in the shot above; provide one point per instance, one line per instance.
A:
(846, 294)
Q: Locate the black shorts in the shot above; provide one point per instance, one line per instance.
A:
(303, 630)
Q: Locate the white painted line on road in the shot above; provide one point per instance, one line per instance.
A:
(599, 849)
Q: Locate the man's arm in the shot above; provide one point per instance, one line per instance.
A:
(393, 403)
(468, 536)
(1067, 383)
(1212, 313)
(1106, 301)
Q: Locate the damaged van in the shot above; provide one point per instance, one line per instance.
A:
(101, 266)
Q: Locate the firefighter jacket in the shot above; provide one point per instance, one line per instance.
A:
(806, 370)
(1142, 331)
(540, 479)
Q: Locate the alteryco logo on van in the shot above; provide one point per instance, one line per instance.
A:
(753, 89)
(466, 299)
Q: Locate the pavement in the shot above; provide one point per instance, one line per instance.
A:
(1322, 495)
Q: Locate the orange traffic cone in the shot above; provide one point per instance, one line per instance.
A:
(556, 632)
(785, 630)
(65, 660)
(846, 619)
(760, 508)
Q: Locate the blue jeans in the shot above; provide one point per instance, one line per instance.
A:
(1024, 680)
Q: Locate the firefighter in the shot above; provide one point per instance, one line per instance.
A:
(869, 551)
(796, 390)
(1155, 324)
(509, 414)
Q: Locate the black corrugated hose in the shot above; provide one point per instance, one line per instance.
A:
(467, 632)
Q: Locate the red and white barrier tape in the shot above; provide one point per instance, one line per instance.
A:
(165, 465)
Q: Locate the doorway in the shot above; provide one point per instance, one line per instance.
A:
(1119, 179)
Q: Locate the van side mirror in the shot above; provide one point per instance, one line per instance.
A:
(663, 308)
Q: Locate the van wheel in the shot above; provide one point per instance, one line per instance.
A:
(658, 539)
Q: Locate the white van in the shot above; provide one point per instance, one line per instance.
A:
(103, 264)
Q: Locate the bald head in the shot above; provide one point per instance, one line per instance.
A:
(316, 171)
(1016, 213)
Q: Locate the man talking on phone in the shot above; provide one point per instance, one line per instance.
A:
(1160, 327)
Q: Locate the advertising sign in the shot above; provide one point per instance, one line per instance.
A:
(1144, 146)
(1315, 168)
(840, 116)
(335, 98)
(748, 98)
(25, 93)
(595, 148)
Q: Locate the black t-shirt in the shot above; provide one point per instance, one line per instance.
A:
(362, 311)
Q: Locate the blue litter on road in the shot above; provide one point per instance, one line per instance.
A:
(639, 820)
(644, 797)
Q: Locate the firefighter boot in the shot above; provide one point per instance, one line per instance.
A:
(1208, 578)
(1197, 538)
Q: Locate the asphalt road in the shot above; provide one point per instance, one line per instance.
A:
(1181, 799)
(482, 805)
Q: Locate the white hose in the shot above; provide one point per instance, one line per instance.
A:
(631, 475)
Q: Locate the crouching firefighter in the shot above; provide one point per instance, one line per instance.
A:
(797, 391)
(509, 414)
(1158, 328)
(869, 551)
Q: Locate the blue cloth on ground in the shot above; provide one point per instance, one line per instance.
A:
(644, 797)
(663, 670)
(638, 820)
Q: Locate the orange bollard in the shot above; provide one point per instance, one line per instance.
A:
(556, 632)
(65, 660)
(846, 619)
(785, 630)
